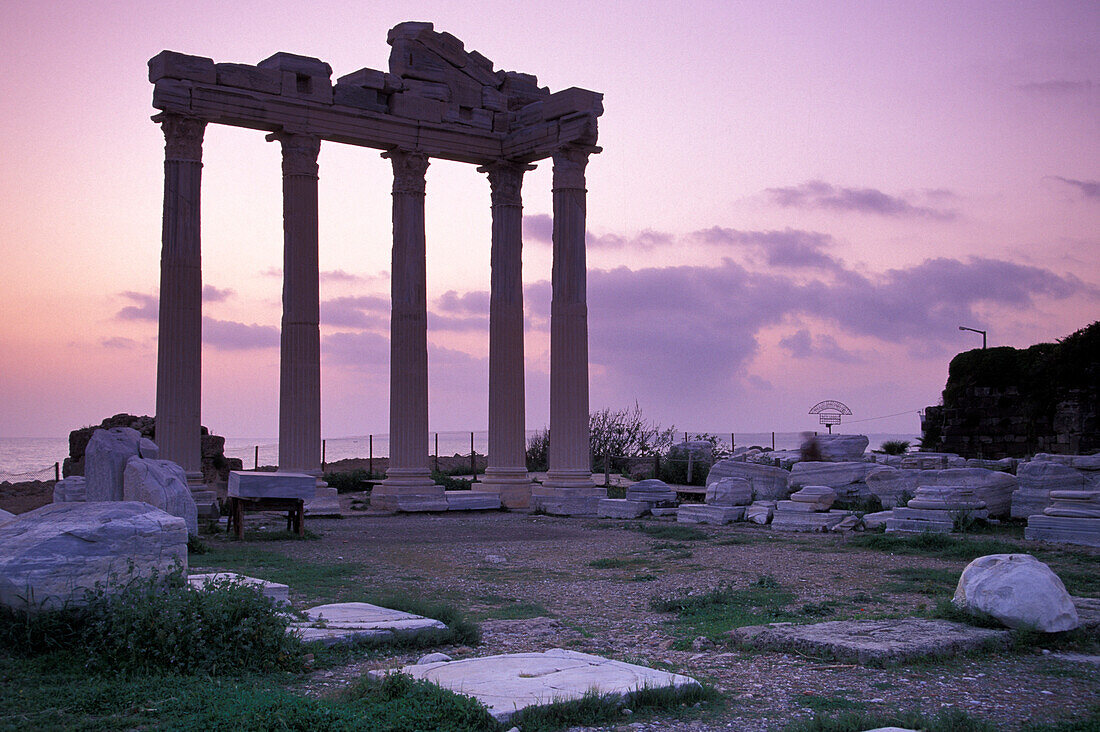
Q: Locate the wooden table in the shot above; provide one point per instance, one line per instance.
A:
(294, 507)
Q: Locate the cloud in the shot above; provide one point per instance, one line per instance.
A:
(1056, 88)
(802, 345)
(1090, 188)
(228, 335)
(119, 343)
(214, 294)
(539, 228)
(787, 248)
(364, 352)
(145, 307)
(822, 195)
(339, 276)
(468, 303)
(364, 311)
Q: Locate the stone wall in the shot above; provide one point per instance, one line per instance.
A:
(1008, 402)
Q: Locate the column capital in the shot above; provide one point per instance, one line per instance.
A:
(569, 164)
(409, 167)
(300, 152)
(506, 181)
(182, 136)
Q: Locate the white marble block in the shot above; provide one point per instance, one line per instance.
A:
(105, 461)
(258, 484)
(1018, 590)
(163, 484)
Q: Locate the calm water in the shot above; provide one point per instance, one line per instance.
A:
(31, 458)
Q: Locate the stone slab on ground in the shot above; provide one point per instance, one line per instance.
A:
(279, 593)
(1088, 612)
(472, 500)
(873, 642)
(700, 513)
(668, 511)
(260, 484)
(510, 682)
(325, 502)
(344, 622)
(621, 508)
(1063, 530)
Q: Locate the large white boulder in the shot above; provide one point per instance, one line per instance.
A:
(105, 461)
(892, 486)
(1049, 475)
(1018, 590)
(161, 483)
(838, 448)
(51, 556)
(73, 488)
(768, 483)
(6, 516)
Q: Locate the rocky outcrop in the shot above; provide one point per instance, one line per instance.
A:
(52, 556)
(836, 448)
(1037, 478)
(1018, 590)
(847, 479)
(729, 492)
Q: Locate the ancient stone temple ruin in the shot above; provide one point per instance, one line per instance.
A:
(438, 100)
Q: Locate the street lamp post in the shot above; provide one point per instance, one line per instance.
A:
(975, 330)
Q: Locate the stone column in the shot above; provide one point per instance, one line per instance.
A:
(179, 342)
(569, 488)
(408, 485)
(300, 349)
(506, 473)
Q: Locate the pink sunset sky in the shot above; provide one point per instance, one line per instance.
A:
(796, 201)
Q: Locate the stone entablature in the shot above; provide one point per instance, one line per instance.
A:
(437, 98)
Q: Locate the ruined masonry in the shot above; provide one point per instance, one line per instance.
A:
(438, 100)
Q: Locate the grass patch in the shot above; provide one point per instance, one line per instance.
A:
(951, 720)
(922, 580)
(281, 535)
(594, 709)
(399, 702)
(644, 578)
(723, 608)
(332, 582)
(671, 532)
(941, 546)
(508, 608)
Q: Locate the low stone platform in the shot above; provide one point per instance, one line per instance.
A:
(262, 484)
(280, 594)
(621, 508)
(701, 513)
(344, 622)
(511, 682)
(472, 500)
(873, 642)
(1063, 530)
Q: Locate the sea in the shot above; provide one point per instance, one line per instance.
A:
(34, 458)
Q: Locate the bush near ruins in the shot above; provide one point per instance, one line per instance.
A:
(895, 447)
(619, 433)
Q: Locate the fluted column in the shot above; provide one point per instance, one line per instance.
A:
(506, 473)
(569, 488)
(408, 485)
(179, 343)
(300, 342)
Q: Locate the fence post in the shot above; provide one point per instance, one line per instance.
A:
(370, 459)
(323, 455)
(773, 440)
(473, 458)
(606, 469)
(689, 468)
(685, 437)
(733, 445)
(437, 452)
(256, 459)
(57, 471)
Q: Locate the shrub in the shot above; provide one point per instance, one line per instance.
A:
(347, 481)
(895, 447)
(538, 452)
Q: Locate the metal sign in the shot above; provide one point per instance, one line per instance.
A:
(830, 412)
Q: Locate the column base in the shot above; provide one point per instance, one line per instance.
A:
(326, 501)
(568, 493)
(206, 498)
(408, 489)
(513, 485)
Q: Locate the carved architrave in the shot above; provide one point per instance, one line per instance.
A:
(506, 181)
(569, 165)
(300, 152)
(409, 167)
(182, 136)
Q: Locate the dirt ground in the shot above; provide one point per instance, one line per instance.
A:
(536, 582)
(499, 565)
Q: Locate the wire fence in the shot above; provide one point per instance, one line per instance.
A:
(51, 472)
